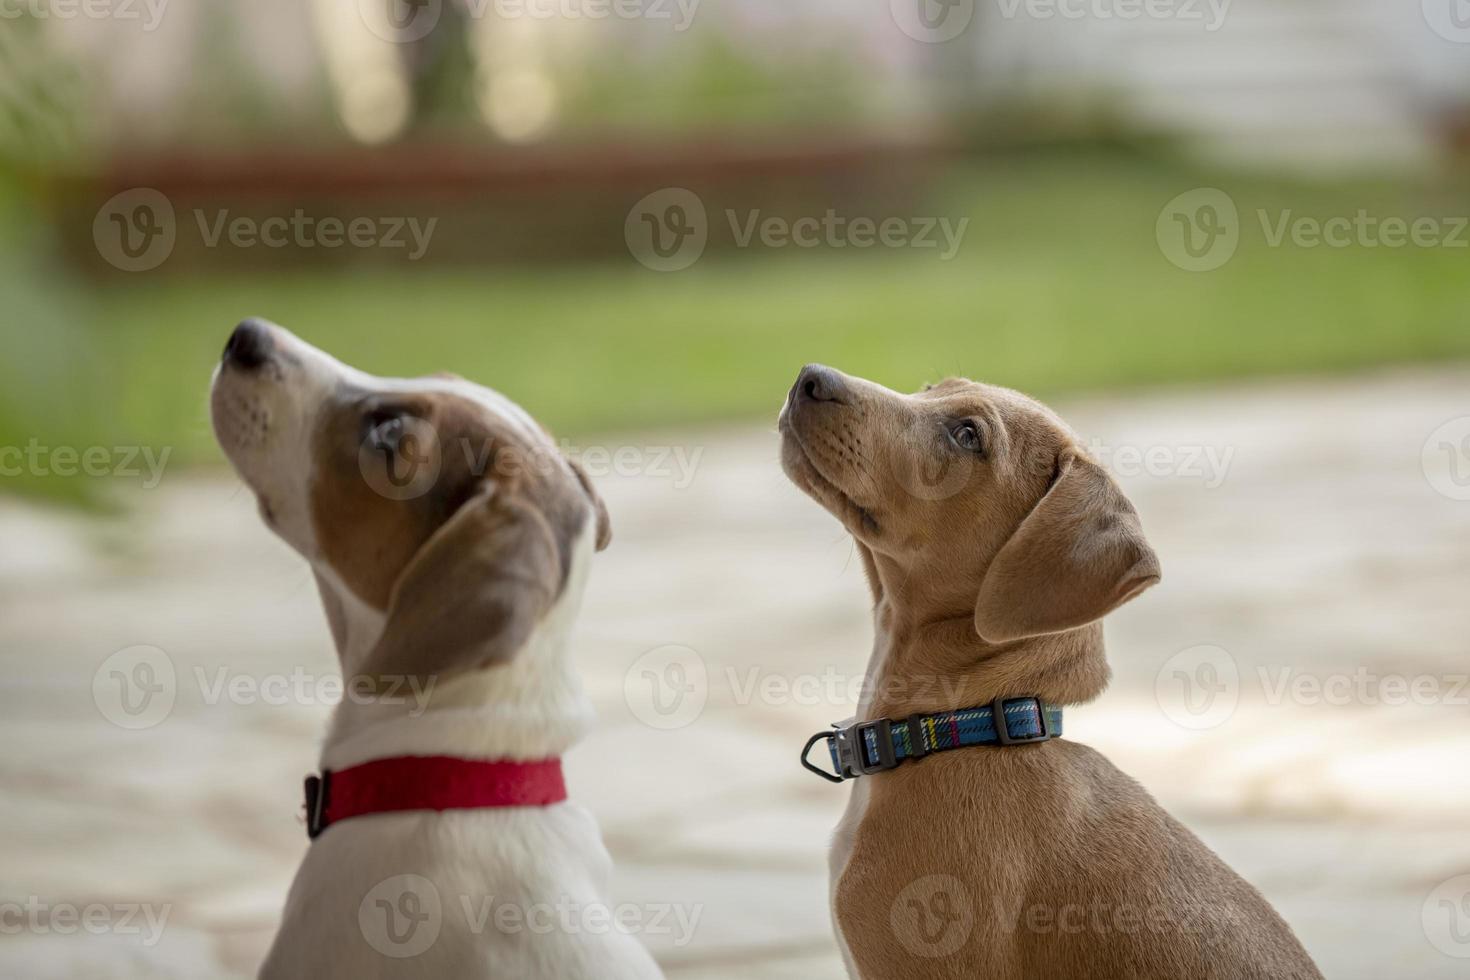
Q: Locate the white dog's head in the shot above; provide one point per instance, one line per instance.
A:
(437, 514)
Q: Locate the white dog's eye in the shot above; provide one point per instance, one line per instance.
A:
(386, 435)
(966, 435)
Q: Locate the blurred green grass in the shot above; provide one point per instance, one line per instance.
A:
(1060, 286)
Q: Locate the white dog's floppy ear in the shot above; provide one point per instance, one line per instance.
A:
(604, 523)
(472, 594)
(1077, 556)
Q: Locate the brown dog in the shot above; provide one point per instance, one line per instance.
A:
(994, 546)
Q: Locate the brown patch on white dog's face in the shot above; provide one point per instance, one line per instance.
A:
(434, 501)
(938, 482)
(390, 468)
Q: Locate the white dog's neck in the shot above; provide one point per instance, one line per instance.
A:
(532, 707)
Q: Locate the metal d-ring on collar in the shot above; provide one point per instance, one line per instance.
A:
(867, 747)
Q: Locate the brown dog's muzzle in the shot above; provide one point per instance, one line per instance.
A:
(822, 445)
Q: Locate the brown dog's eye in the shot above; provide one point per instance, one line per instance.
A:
(966, 435)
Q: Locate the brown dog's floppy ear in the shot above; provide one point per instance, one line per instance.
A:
(473, 592)
(1077, 556)
(604, 523)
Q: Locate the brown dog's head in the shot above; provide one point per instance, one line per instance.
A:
(441, 520)
(978, 497)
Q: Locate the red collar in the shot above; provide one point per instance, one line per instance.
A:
(429, 782)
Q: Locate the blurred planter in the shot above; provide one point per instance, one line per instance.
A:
(489, 206)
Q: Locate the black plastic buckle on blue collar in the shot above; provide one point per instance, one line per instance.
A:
(851, 743)
(1003, 727)
(852, 750)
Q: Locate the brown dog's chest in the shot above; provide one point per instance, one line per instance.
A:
(1043, 861)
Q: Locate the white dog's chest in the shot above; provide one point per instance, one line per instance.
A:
(485, 893)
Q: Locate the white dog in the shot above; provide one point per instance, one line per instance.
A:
(450, 542)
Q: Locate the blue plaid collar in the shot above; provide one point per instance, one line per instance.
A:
(866, 747)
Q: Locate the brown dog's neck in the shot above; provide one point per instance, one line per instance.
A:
(928, 657)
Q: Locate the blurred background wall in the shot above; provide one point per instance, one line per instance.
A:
(519, 135)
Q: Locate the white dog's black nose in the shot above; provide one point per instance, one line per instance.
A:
(249, 345)
(819, 383)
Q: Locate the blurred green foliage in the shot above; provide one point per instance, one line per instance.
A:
(719, 86)
(1059, 286)
(50, 388)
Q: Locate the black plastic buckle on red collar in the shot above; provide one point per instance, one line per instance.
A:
(317, 789)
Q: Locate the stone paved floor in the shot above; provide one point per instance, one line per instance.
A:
(1320, 554)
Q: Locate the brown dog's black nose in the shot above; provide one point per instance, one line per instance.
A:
(249, 345)
(819, 383)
